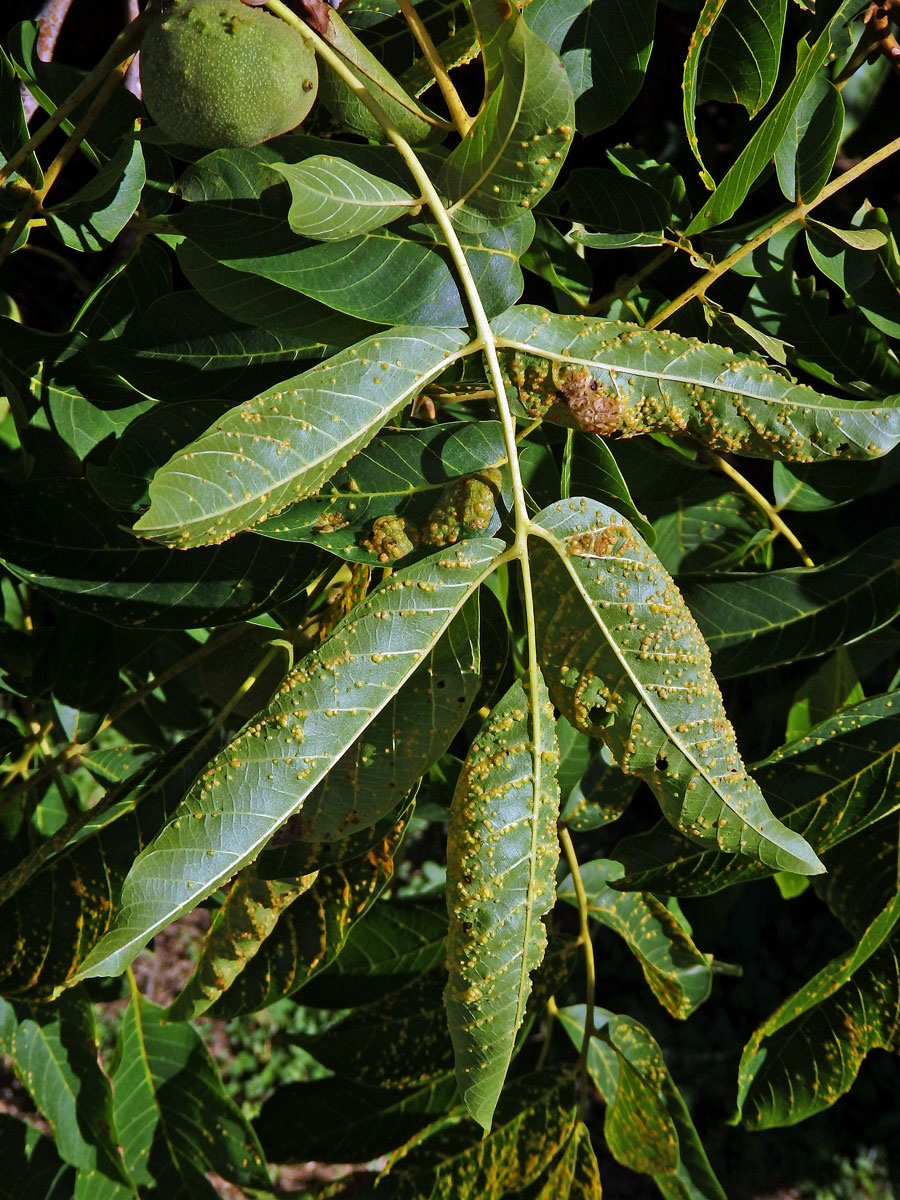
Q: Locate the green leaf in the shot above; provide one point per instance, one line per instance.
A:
(55, 1058)
(611, 378)
(604, 45)
(13, 128)
(808, 1053)
(60, 538)
(601, 797)
(868, 271)
(397, 941)
(397, 1041)
(624, 660)
(410, 733)
(647, 1126)
(753, 621)
(501, 858)
(594, 472)
(678, 974)
(175, 1120)
(319, 711)
(334, 199)
(576, 1176)
(708, 528)
(346, 1122)
(805, 156)
(312, 933)
(756, 155)
(619, 210)
(456, 1163)
(98, 212)
(402, 474)
(284, 444)
(31, 1166)
(838, 347)
(55, 915)
(830, 785)
(250, 912)
(740, 55)
(405, 113)
(511, 155)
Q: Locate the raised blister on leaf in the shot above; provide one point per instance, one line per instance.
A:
(501, 854)
(624, 660)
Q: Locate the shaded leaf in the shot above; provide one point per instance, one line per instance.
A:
(398, 940)
(678, 974)
(49, 924)
(624, 660)
(175, 1120)
(576, 1176)
(55, 1058)
(618, 209)
(344, 1121)
(283, 445)
(830, 785)
(601, 796)
(611, 378)
(501, 858)
(739, 57)
(604, 46)
(709, 528)
(648, 1127)
(248, 916)
(808, 1053)
(805, 156)
(59, 537)
(754, 620)
(312, 933)
(98, 212)
(31, 1166)
(402, 474)
(532, 1122)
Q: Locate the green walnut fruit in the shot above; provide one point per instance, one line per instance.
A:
(217, 73)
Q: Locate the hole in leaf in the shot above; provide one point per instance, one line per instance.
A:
(661, 762)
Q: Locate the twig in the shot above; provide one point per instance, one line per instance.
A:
(798, 213)
(772, 514)
(114, 55)
(565, 839)
(129, 702)
(37, 196)
(625, 287)
(455, 106)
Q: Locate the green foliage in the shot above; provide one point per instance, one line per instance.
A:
(393, 505)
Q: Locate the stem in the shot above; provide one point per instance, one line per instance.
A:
(455, 106)
(798, 213)
(772, 514)
(76, 137)
(114, 55)
(565, 839)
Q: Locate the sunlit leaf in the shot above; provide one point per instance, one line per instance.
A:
(283, 445)
(233, 809)
(334, 199)
(611, 378)
(624, 660)
(501, 860)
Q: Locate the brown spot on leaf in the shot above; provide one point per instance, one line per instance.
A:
(595, 408)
